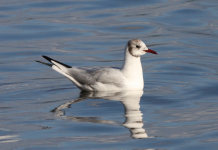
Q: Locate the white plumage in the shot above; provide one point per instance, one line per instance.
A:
(129, 77)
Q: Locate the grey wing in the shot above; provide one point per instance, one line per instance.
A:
(85, 75)
(91, 75)
(112, 77)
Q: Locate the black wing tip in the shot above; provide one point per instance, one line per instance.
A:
(50, 59)
(47, 58)
(50, 65)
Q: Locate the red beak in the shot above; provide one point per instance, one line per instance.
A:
(150, 51)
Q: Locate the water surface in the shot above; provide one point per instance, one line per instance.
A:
(41, 109)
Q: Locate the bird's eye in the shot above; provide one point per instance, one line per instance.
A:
(137, 46)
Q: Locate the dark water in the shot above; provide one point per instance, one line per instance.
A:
(178, 108)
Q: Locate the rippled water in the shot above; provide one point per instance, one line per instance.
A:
(41, 109)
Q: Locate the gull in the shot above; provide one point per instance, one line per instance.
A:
(128, 77)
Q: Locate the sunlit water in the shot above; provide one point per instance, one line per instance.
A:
(41, 109)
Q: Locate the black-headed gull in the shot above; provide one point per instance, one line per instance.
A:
(129, 77)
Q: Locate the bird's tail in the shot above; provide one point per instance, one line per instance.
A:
(61, 68)
(44, 63)
(55, 62)
(56, 65)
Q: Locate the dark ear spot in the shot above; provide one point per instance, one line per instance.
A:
(130, 48)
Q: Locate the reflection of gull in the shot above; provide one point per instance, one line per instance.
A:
(130, 101)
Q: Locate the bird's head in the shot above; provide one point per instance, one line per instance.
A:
(137, 48)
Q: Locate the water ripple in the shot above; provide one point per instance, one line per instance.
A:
(179, 104)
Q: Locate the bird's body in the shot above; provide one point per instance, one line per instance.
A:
(129, 77)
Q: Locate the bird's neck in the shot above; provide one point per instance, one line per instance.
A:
(132, 68)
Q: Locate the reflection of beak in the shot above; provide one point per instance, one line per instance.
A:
(150, 51)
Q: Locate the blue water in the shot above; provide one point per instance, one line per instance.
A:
(41, 109)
